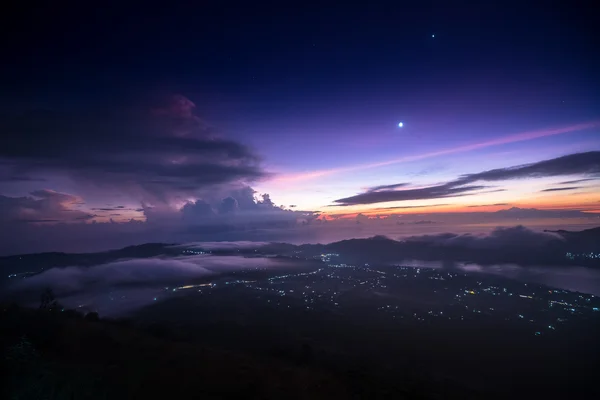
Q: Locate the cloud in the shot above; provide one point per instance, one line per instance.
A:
(573, 164)
(519, 137)
(516, 245)
(559, 189)
(387, 187)
(238, 209)
(143, 271)
(157, 153)
(41, 206)
(408, 207)
(499, 238)
(177, 106)
(431, 192)
(127, 285)
(53, 221)
(148, 271)
(492, 191)
(577, 181)
(237, 245)
(117, 211)
(489, 205)
(187, 179)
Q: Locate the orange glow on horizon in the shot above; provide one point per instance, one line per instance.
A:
(457, 209)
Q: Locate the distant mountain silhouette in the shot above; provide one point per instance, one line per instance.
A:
(586, 240)
(592, 233)
(39, 261)
(516, 245)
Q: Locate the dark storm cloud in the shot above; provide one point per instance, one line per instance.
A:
(240, 208)
(198, 209)
(85, 217)
(573, 164)
(560, 189)
(162, 150)
(41, 206)
(228, 205)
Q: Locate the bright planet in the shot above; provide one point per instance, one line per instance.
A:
(400, 124)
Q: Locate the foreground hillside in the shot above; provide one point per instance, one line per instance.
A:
(50, 355)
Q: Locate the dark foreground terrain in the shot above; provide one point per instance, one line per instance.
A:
(54, 354)
(62, 355)
(283, 321)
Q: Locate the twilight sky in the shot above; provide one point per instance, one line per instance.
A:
(270, 122)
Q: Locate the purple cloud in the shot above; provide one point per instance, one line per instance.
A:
(41, 206)
(157, 154)
(560, 189)
(579, 163)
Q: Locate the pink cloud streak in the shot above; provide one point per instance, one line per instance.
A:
(519, 137)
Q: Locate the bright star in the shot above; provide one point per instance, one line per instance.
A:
(432, 35)
(400, 124)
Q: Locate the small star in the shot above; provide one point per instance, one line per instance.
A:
(432, 36)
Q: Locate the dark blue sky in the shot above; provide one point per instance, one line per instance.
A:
(285, 54)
